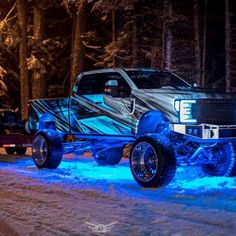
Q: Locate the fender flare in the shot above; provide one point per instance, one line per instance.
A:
(46, 121)
(149, 121)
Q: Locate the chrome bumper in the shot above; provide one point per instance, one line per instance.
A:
(206, 131)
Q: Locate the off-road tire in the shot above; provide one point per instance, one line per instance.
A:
(152, 164)
(47, 149)
(226, 165)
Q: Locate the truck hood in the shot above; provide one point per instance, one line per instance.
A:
(163, 99)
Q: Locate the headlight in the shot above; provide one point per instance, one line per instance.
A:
(184, 107)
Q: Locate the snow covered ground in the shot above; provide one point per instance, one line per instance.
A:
(81, 198)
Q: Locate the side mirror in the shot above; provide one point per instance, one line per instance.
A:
(111, 88)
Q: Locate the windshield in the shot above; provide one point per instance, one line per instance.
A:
(155, 79)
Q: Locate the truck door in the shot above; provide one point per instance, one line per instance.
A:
(88, 111)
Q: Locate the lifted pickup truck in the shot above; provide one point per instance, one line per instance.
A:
(165, 120)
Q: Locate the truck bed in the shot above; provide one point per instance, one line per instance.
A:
(58, 108)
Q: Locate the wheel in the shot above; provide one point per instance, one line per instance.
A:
(152, 164)
(110, 157)
(47, 149)
(225, 157)
(10, 150)
(21, 150)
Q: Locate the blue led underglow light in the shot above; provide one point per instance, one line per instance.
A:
(185, 114)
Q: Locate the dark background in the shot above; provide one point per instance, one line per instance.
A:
(112, 34)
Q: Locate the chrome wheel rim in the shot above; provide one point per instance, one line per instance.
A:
(40, 150)
(144, 161)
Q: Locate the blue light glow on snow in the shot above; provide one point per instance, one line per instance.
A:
(86, 170)
(192, 178)
(91, 171)
(190, 185)
(74, 170)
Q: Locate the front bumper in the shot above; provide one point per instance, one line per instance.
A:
(206, 131)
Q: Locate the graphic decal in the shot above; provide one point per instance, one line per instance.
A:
(102, 113)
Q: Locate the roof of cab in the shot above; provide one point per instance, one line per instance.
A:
(118, 70)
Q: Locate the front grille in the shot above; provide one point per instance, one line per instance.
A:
(215, 111)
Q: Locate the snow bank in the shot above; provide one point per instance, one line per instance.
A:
(194, 178)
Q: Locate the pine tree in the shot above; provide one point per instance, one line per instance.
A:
(114, 53)
(228, 47)
(204, 42)
(38, 80)
(24, 77)
(167, 36)
(197, 46)
(77, 10)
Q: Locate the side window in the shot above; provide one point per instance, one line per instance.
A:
(124, 89)
(95, 84)
(90, 84)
